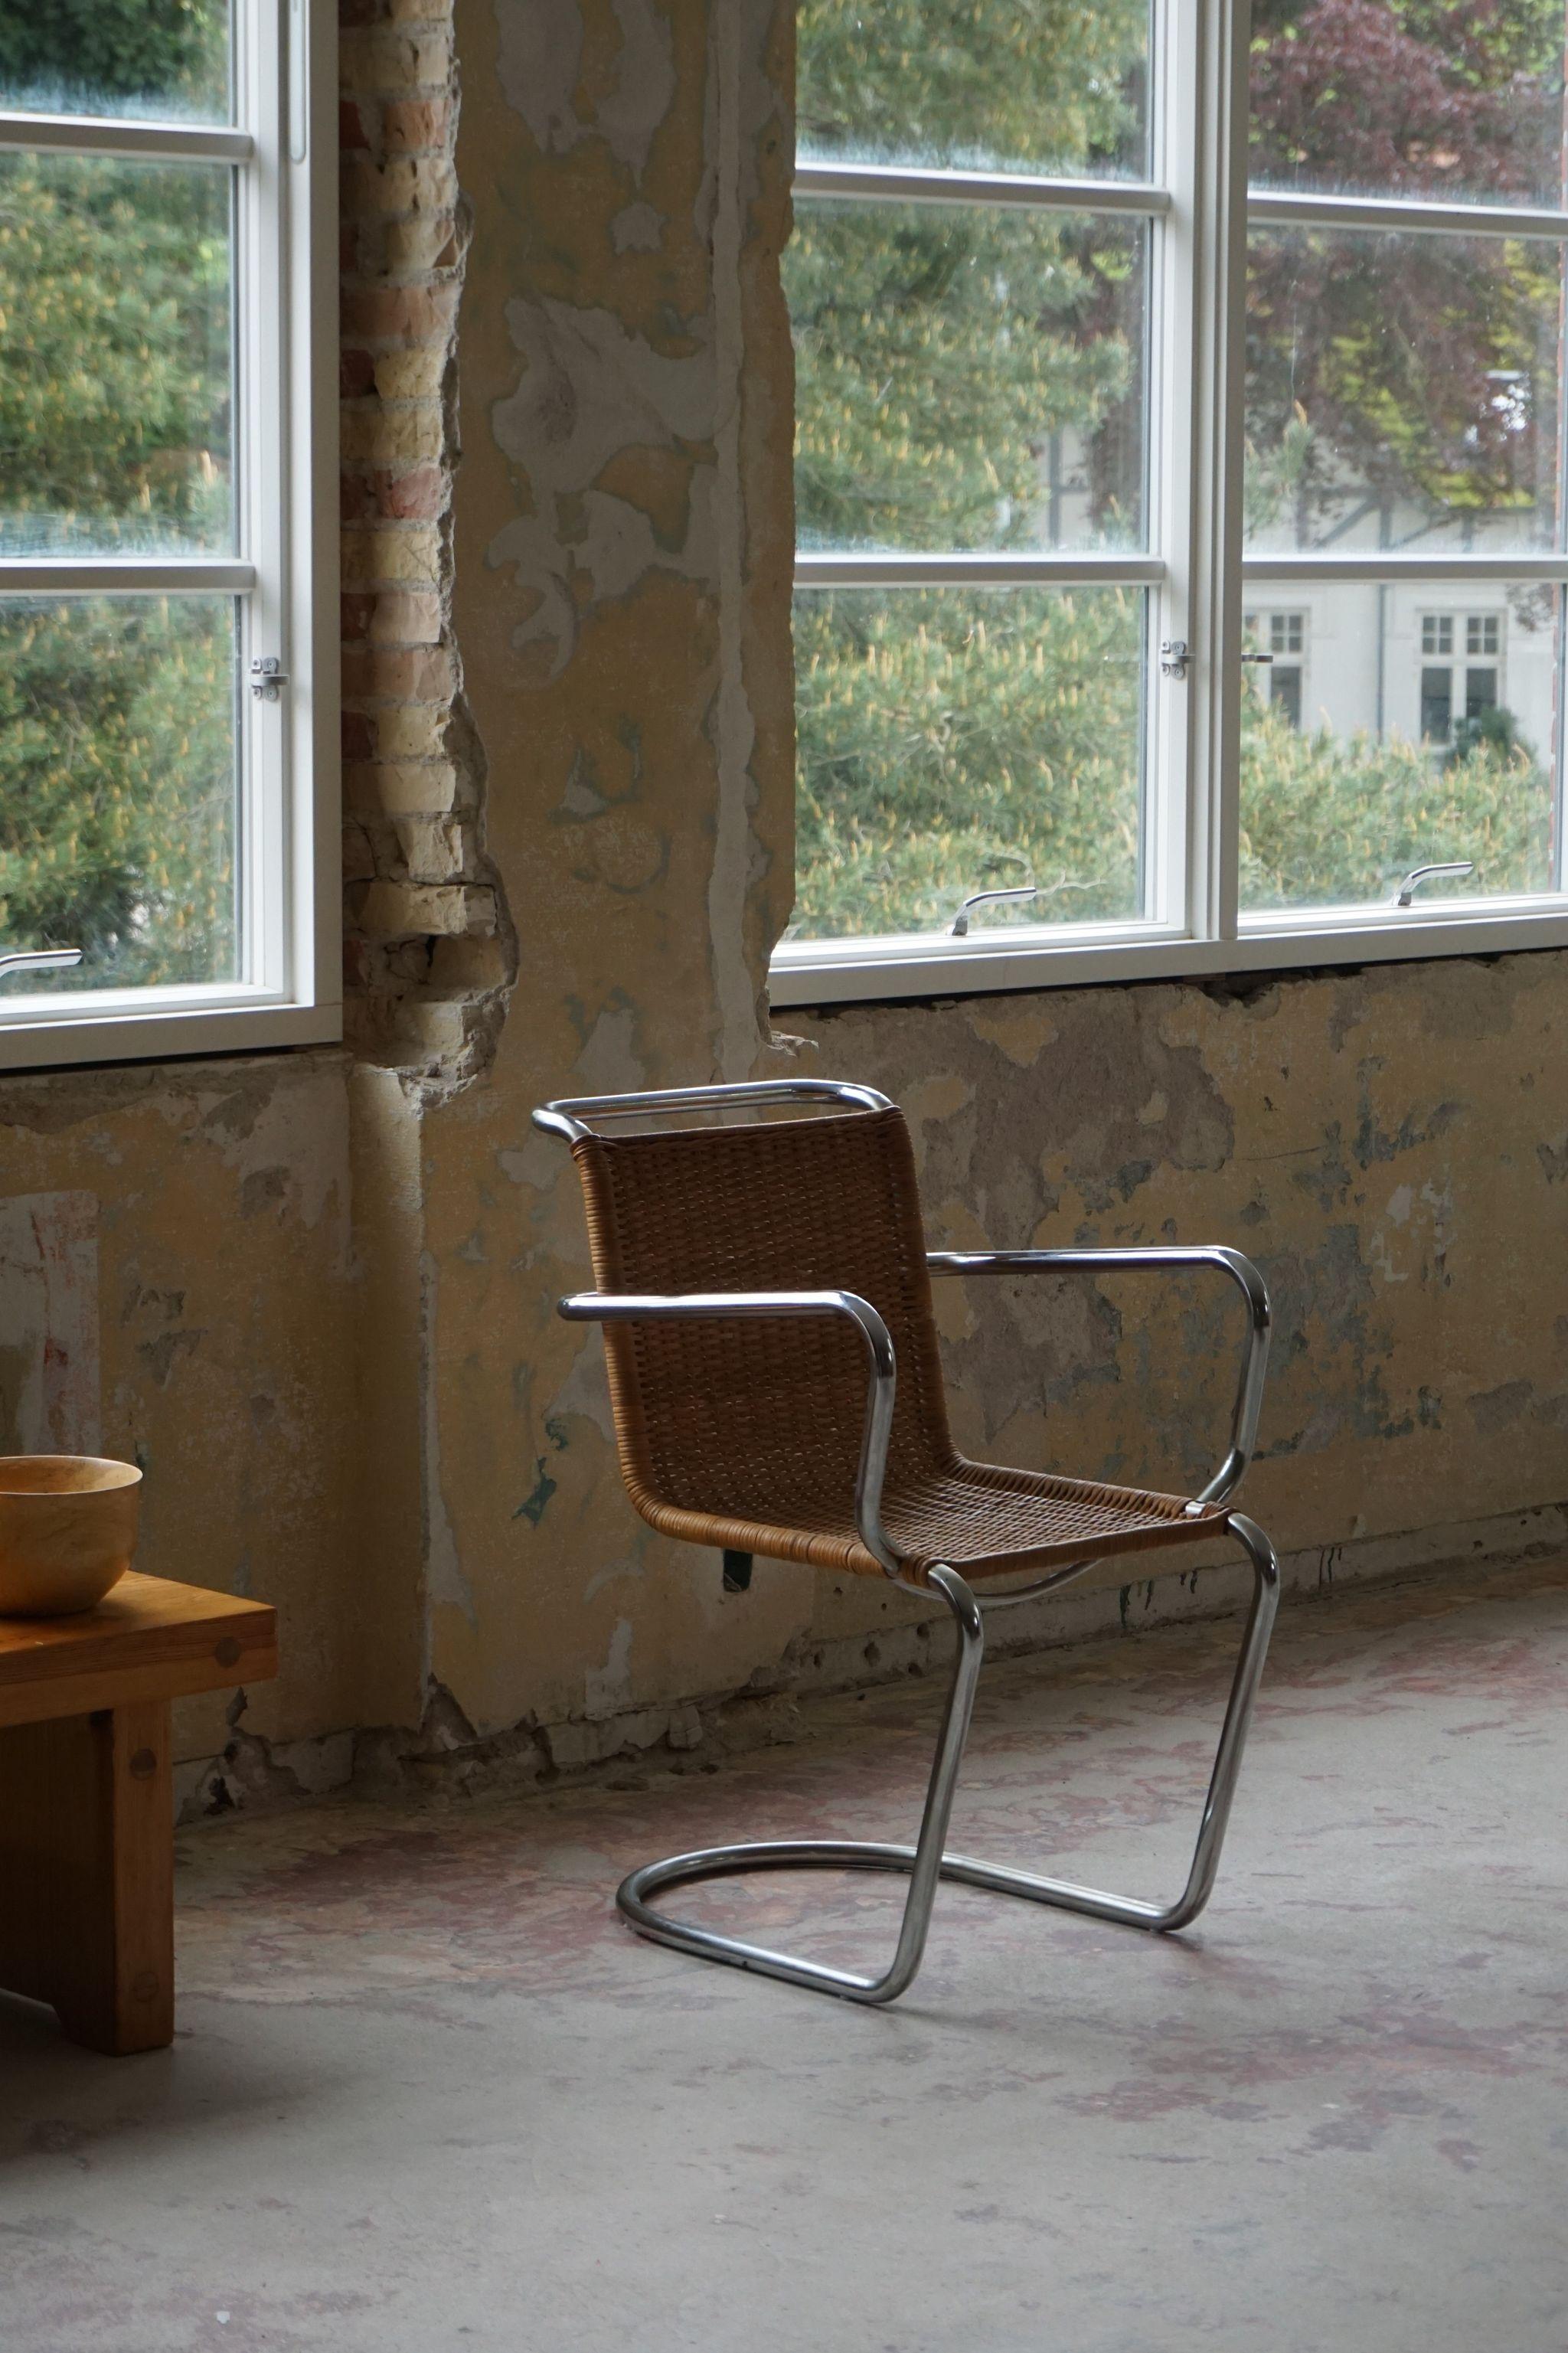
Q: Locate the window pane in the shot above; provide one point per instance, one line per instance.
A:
(1396, 759)
(954, 740)
(118, 799)
(987, 85)
(967, 377)
(161, 59)
(1429, 97)
(1403, 392)
(115, 357)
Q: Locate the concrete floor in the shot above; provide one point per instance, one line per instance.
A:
(428, 2093)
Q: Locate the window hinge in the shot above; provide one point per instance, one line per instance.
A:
(267, 677)
(1173, 658)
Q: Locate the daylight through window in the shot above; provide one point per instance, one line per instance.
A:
(1198, 718)
(156, 756)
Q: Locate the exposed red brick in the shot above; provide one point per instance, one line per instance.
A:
(404, 313)
(356, 497)
(358, 735)
(397, 673)
(412, 125)
(355, 615)
(405, 617)
(416, 496)
(356, 373)
(412, 866)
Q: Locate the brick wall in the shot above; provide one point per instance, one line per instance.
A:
(427, 943)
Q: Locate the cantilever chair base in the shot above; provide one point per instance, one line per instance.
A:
(764, 1290)
(928, 1861)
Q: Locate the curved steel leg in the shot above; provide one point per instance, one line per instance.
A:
(923, 1862)
(1131, 1910)
(927, 1861)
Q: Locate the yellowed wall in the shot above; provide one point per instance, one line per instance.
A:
(326, 1281)
(1389, 1144)
(218, 1257)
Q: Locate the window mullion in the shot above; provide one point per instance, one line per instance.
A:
(1172, 825)
(1215, 103)
(1381, 565)
(130, 576)
(124, 137)
(1288, 208)
(909, 184)
(867, 568)
(261, 334)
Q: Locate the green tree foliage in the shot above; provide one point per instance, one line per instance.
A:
(1327, 819)
(946, 740)
(937, 352)
(940, 353)
(117, 785)
(114, 367)
(1051, 85)
(117, 792)
(1422, 367)
(115, 56)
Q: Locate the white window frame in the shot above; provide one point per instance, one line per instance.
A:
(284, 574)
(1196, 575)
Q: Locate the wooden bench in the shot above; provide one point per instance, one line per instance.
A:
(87, 1815)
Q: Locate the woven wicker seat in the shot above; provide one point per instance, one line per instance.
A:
(776, 1385)
(746, 1435)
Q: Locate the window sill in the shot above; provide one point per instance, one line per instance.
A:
(847, 972)
(153, 1025)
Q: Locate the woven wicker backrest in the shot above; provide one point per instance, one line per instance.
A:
(762, 1419)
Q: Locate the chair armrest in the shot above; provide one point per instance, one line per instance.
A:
(1157, 1259)
(632, 1307)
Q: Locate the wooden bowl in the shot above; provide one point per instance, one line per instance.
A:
(68, 1529)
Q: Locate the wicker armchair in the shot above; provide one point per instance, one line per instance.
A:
(766, 1293)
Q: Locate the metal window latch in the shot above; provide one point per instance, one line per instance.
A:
(39, 960)
(1173, 658)
(960, 930)
(267, 677)
(1405, 895)
(1262, 660)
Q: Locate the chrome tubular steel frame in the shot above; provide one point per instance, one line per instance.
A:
(573, 1117)
(1158, 1259)
(927, 1861)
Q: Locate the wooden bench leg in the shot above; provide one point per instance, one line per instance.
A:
(87, 1861)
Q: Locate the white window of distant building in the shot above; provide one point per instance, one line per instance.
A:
(168, 576)
(1276, 643)
(1483, 675)
(1459, 694)
(1436, 678)
(1068, 413)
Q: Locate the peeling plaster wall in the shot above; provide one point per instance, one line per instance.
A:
(623, 538)
(177, 1241)
(1388, 1142)
(315, 1292)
